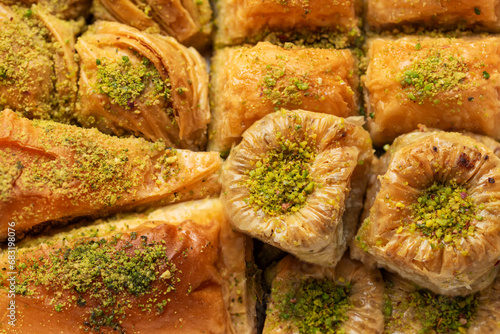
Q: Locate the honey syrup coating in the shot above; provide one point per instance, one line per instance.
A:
(431, 213)
(132, 82)
(296, 181)
(54, 172)
(250, 82)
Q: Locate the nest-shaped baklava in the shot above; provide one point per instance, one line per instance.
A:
(434, 212)
(410, 309)
(307, 298)
(250, 82)
(38, 71)
(296, 181)
(178, 269)
(132, 82)
(189, 21)
(51, 172)
(446, 83)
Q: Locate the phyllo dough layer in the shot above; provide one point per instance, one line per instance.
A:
(412, 310)
(241, 21)
(51, 171)
(445, 83)
(308, 298)
(297, 180)
(178, 269)
(434, 213)
(388, 14)
(149, 85)
(38, 71)
(189, 21)
(251, 82)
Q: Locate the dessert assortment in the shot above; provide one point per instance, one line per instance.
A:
(275, 166)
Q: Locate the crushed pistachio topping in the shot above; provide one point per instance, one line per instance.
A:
(281, 90)
(98, 272)
(280, 182)
(124, 81)
(445, 212)
(314, 305)
(438, 72)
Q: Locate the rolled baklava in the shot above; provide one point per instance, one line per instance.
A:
(189, 21)
(444, 83)
(326, 23)
(148, 85)
(389, 14)
(64, 9)
(308, 298)
(53, 172)
(412, 310)
(178, 269)
(434, 213)
(297, 180)
(38, 71)
(251, 82)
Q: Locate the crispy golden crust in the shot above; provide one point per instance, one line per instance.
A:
(188, 21)
(471, 103)
(320, 230)
(366, 295)
(177, 113)
(387, 14)
(251, 82)
(52, 172)
(414, 162)
(239, 21)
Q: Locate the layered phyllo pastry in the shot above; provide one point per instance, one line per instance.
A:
(189, 21)
(433, 213)
(251, 82)
(388, 14)
(52, 172)
(324, 22)
(64, 9)
(296, 181)
(179, 269)
(38, 71)
(445, 83)
(410, 309)
(307, 298)
(148, 85)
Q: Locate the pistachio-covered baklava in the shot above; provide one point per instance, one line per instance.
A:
(410, 309)
(251, 82)
(189, 21)
(446, 83)
(64, 9)
(297, 180)
(148, 85)
(326, 23)
(179, 269)
(38, 70)
(53, 172)
(307, 298)
(434, 213)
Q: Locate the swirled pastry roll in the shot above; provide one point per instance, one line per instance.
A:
(168, 271)
(147, 85)
(324, 22)
(64, 9)
(251, 82)
(412, 310)
(296, 181)
(308, 298)
(444, 83)
(434, 213)
(53, 172)
(388, 14)
(189, 21)
(38, 72)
